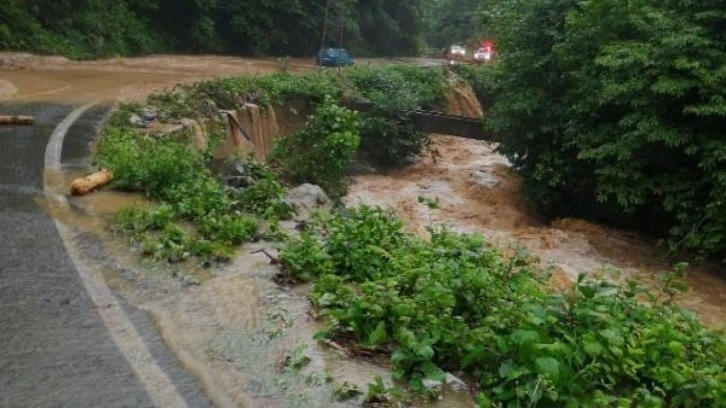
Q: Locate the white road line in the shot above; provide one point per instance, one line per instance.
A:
(161, 390)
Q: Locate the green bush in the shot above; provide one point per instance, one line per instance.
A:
(170, 171)
(616, 110)
(229, 229)
(454, 303)
(147, 164)
(255, 189)
(321, 151)
(388, 136)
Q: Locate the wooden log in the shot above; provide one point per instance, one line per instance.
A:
(84, 185)
(16, 120)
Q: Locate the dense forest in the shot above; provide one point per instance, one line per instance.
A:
(617, 111)
(97, 28)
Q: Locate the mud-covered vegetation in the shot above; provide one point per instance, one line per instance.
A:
(98, 28)
(616, 111)
(454, 303)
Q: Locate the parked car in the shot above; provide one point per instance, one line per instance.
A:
(333, 57)
(455, 52)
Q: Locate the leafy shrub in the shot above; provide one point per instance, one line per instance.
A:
(229, 229)
(255, 189)
(173, 173)
(454, 303)
(616, 110)
(321, 151)
(147, 164)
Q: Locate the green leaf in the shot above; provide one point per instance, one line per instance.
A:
(378, 336)
(521, 337)
(433, 372)
(505, 369)
(592, 346)
(676, 347)
(425, 351)
(548, 366)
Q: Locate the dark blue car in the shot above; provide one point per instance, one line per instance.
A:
(333, 57)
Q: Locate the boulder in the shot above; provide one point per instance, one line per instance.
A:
(452, 382)
(307, 197)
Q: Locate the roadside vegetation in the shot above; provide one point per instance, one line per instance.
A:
(205, 214)
(197, 214)
(454, 303)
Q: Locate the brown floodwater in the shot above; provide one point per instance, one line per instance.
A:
(24, 77)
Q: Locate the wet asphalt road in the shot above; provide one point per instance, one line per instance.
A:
(55, 350)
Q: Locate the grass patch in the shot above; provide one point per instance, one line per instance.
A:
(199, 214)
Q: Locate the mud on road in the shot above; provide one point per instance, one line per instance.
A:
(26, 77)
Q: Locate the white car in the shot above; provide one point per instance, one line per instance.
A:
(483, 55)
(455, 52)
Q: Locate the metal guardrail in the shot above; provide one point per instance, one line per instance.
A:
(443, 123)
(436, 122)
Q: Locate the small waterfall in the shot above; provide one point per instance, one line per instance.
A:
(263, 125)
(462, 101)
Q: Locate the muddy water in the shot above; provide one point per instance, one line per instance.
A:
(478, 192)
(25, 77)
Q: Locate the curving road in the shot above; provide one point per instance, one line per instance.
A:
(65, 341)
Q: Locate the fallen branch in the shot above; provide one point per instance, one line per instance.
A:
(16, 120)
(273, 259)
(84, 185)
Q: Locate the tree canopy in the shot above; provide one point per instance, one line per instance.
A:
(92, 28)
(617, 110)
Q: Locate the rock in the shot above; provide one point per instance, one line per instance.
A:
(149, 115)
(453, 383)
(456, 384)
(307, 197)
(136, 120)
(432, 384)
